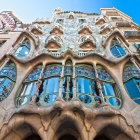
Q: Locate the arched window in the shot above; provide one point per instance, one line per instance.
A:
(110, 90)
(116, 48)
(67, 91)
(7, 80)
(87, 91)
(131, 78)
(28, 87)
(48, 90)
(23, 48)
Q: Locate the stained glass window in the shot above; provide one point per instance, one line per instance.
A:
(86, 84)
(7, 80)
(23, 49)
(110, 90)
(131, 79)
(85, 70)
(48, 90)
(28, 87)
(116, 49)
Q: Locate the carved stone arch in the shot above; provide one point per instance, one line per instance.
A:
(68, 125)
(112, 132)
(57, 29)
(29, 36)
(21, 127)
(87, 42)
(116, 34)
(84, 29)
(53, 42)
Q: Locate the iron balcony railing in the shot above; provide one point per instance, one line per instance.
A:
(132, 33)
(123, 24)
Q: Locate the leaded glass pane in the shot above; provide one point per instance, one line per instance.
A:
(103, 75)
(7, 80)
(5, 88)
(132, 89)
(52, 70)
(130, 71)
(116, 49)
(83, 85)
(23, 49)
(68, 70)
(85, 71)
(23, 52)
(53, 84)
(9, 71)
(35, 74)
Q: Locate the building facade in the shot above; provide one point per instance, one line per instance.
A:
(75, 76)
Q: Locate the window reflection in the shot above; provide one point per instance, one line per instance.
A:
(110, 90)
(116, 49)
(28, 87)
(23, 49)
(48, 90)
(132, 79)
(87, 90)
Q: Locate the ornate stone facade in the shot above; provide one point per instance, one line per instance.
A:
(75, 76)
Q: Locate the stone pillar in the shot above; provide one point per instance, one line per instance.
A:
(133, 61)
(5, 62)
(61, 82)
(74, 82)
(99, 85)
(38, 85)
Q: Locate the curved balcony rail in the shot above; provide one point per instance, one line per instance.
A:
(86, 38)
(22, 100)
(123, 24)
(116, 18)
(105, 26)
(112, 13)
(58, 26)
(35, 26)
(84, 25)
(54, 38)
(89, 100)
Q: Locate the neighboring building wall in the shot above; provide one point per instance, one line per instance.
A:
(70, 46)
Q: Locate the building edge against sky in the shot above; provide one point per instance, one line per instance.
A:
(75, 76)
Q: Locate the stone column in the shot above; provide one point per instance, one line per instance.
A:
(5, 62)
(99, 84)
(61, 82)
(74, 82)
(133, 61)
(38, 85)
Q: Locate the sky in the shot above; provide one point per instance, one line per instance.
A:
(29, 10)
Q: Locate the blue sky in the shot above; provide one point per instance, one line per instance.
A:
(28, 10)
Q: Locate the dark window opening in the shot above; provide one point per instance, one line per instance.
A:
(33, 137)
(67, 137)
